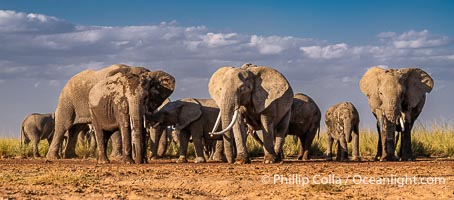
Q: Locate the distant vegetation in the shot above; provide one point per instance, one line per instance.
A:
(428, 140)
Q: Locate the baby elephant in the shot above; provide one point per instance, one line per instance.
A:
(191, 117)
(37, 127)
(342, 122)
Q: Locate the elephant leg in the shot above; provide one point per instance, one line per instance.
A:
(153, 140)
(301, 148)
(310, 135)
(407, 153)
(184, 140)
(116, 153)
(73, 132)
(339, 151)
(343, 148)
(102, 145)
(268, 138)
(329, 151)
(281, 131)
(62, 125)
(196, 132)
(240, 135)
(126, 138)
(379, 144)
(162, 143)
(92, 138)
(355, 144)
(218, 154)
(35, 148)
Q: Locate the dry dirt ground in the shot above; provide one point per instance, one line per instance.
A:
(84, 179)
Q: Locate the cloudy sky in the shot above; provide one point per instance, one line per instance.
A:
(322, 47)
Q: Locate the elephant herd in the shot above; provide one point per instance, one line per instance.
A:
(126, 104)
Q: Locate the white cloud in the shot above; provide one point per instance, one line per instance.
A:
(414, 39)
(274, 44)
(326, 52)
(17, 22)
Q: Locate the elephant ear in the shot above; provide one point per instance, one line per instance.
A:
(216, 83)
(269, 85)
(329, 117)
(418, 83)
(189, 111)
(369, 84)
(160, 86)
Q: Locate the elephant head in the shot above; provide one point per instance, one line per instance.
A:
(396, 97)
(251, 88)
(179, 113)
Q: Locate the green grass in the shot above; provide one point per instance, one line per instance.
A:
(428, 140)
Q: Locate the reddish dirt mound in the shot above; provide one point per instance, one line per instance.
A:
(69, 179)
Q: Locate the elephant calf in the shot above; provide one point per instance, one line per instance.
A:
(192, 117)
(342, 122)
(304, 122)
(37, 127)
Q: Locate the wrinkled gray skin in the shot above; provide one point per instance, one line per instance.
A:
(37, 127)
(304, 123)
(396, 98)
(87, 139)
(191, 117)
(72, 109)
(342, 123)
(120, 102)
(263, 97)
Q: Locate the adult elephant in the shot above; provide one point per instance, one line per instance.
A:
(396, 98)
(72, 113)
(191, 117)
(263, 96)
(120, 102)
(304, 123)
(342, 123)
(37, 127)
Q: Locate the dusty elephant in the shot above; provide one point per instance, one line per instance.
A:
(191, 117)
(260, 95)
(120, 102)
(304, 123)
(72, 111)
(396, 98)
(37, 127)
(342, 123)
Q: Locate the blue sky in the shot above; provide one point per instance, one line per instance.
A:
(352, 21)
(322, 47)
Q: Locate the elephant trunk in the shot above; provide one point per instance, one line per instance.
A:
(137, 126)
(388, 130)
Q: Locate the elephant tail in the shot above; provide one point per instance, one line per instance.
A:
(21, 135)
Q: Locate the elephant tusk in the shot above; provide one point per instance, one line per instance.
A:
(216, 125)
(235, 116)
(401, 122)
(156, 125)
